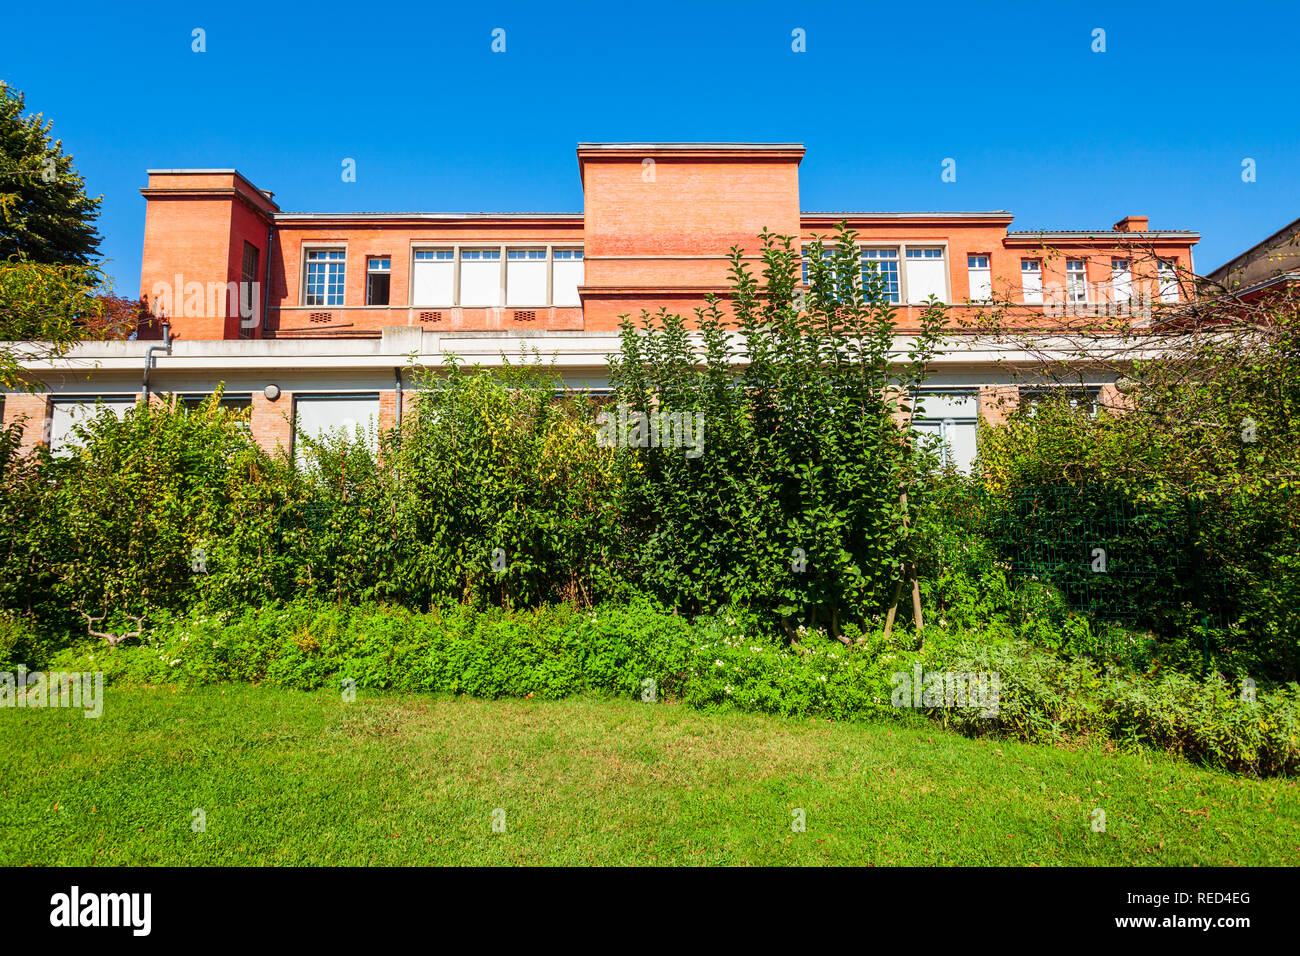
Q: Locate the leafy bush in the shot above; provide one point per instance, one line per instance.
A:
(725, 659)
(1208, 566)
(792, 504)
(1045, 697)
(500, 493)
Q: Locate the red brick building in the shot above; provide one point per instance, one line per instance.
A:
(311, 318)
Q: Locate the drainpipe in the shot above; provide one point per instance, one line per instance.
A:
(148, 355)
(397, 402)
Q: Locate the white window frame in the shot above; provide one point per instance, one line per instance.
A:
(947, 423)
(1167, 277)
(1076, 282)
(564, 252)
(386, 270)
(986, 270)
(1031, 296)
(65, 443)
(1121, 291)
(310, 250)
(905, 254)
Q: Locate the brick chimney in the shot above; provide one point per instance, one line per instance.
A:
(1132, 224)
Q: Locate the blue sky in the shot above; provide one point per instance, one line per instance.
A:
(1157, 125)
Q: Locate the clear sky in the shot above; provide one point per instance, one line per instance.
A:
(1063, 137)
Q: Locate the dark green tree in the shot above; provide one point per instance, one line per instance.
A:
(45, 214)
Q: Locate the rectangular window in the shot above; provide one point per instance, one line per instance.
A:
(192, 401)
(1076, 281)
(826, 254)
(1031, 281)
(882, 262)
(325, 275)
(981, 278)
(567, 276)
(433, 277)
(480, 278)
(332, 417)
(947, 420)
(525, 277)
(248, 271)
(249, 299)
(66, 414)
(1167, 272)
(379, 270)
(1121, 280)
(926, 275)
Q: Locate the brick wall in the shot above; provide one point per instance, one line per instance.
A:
(271, 422)
(33, 411)
(996, 402)
(1112, 400)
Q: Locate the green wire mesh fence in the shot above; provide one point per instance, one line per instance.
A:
(1109, 552)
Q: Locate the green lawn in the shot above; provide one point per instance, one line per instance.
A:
(293, 778)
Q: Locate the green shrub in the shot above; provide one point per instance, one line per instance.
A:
(1048, 698)
(725, 659)
(791, 502)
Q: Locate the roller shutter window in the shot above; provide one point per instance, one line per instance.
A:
(331, 416)
(567, 276)
(1031, 281)
(433, 277)
(1167, 273)
(66, 414)
(525, 277)
(981, 278)
(926, 275)
(1121, 280)
(949, 419)
(480, 278)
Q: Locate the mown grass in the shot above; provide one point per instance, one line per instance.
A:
(286, 777)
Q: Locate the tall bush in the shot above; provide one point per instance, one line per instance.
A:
(794, 504)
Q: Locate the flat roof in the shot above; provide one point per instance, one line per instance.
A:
(1107, 234)
(642, 146)
(881, 214)
(428, 215)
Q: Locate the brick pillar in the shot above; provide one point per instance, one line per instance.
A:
(33, 412)
(906, 406)
(388, 410)
(271, 422)
(1112, 400)
(996, 402)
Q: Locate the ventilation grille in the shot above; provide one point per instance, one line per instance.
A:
(525, 315)
(430, 316)
(322, 317)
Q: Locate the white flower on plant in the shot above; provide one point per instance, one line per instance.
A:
(719, 664)
(727, 688)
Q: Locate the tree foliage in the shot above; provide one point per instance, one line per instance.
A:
(45, 213)
(795, 505)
